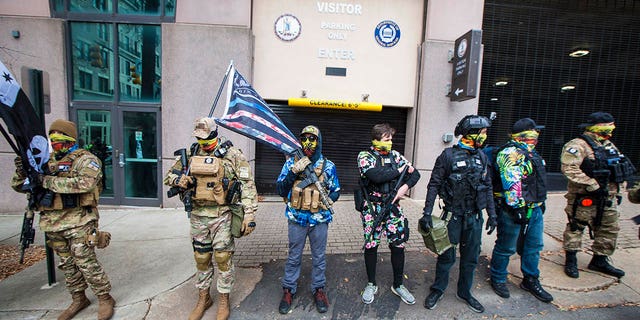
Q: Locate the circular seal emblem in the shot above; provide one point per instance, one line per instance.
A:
(287, 27)
(387, 33)
(462, 48)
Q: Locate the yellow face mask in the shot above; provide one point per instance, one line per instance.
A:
(309, 144)
(208, 144)
(59, 137)
(384, 146)
(604, 131)
(477, 138)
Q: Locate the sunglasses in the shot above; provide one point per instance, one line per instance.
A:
(310, 138)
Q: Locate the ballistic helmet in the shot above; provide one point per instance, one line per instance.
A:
(471, 124)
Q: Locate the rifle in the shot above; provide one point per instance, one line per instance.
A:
(386, 203)
(312, 178)
(185, 194)
(523, 232)
(27, 234)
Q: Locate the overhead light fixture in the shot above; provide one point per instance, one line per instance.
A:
(567, 87)
(494, 99)
(501, 83)
(579, 53)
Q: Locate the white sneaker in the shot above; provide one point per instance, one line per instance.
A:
(404, 294)
(369, 293)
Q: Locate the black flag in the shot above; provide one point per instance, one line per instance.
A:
(22, 122)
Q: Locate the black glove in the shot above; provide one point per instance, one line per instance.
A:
(543, 207)
(426, 222)
(619, 199)
(492, 223)
(519, 215)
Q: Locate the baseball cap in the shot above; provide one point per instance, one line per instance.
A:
(525, 124)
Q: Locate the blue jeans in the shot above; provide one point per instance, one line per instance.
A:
(506, 242)
(318, 242)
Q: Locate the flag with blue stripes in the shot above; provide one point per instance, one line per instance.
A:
(246, 113)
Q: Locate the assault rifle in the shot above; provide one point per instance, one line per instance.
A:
(27, 234)
(185, 194)
(387, 205)
(312, 178)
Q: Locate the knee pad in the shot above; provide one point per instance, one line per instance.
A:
(223, 259)
(202, 260)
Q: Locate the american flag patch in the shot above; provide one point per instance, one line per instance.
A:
(94, 166)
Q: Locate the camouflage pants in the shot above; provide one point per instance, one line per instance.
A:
(78, 261)
(605, 235)
(214, 233)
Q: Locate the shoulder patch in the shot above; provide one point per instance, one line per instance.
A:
(93, 165)
(243, 172)
(572, 150)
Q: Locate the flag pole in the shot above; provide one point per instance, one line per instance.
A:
(224, 80)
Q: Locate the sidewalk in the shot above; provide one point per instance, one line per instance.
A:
(150, 264)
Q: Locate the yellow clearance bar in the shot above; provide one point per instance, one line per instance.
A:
(335, 104)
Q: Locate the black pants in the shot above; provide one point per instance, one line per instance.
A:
(470, 232)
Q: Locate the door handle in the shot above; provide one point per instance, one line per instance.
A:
(121, 160)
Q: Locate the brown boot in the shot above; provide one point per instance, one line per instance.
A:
(79, 302)
(204, 302)
(223, 306)
(105, 306)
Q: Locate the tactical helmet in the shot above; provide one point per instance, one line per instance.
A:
(471, 124)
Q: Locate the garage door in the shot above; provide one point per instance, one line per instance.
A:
(344, 134)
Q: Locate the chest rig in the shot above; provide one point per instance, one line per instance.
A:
(308, 198)
(464, 183)
(378, 191)
(607, 158)
(65, 169)
(211, 183)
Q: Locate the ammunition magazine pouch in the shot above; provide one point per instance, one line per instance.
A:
(66, 201)
(308, 198)
(209, 173)
(436, 239)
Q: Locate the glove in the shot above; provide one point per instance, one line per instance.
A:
(492, 223)
(19, 168)
(619, 199)
(183, 181)
(426, 222)
(51, 167)
(300, 165)
(248, 224)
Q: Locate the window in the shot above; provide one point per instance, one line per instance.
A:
(142, 53)
(84, 80)
(96, 61)
(148, 8)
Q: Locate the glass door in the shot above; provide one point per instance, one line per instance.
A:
(128, 146)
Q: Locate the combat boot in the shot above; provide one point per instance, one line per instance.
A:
(204, 302)
(600, 263)
(223, 306)
(79, 302)
(532, 285)
(571, 264)
(105, 306)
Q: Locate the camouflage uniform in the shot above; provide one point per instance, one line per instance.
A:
(211, 224)
(66, 228)
(573, 154)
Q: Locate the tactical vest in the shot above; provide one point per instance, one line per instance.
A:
(308, 198)
(620, 167)
(210, 180)
(534, 186)
(381, 188)
(461, 188)
(66, 201)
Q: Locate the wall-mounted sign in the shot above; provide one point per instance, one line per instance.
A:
(387, 33)
(287, 27)
(335, 104)
(466, 66)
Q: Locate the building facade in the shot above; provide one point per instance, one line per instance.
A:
(134, 74)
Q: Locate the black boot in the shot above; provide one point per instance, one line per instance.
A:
(532, 285)
(571, 264)
(600, 263)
